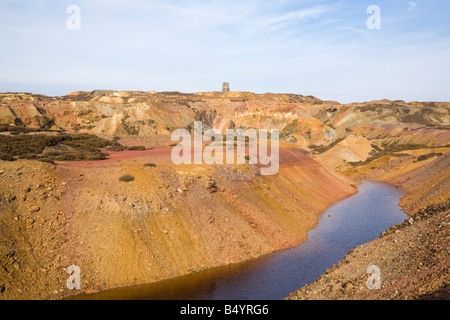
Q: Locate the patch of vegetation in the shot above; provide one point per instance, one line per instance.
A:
(288, 130)
(292, 139)
(372, 157)
(16, 129)
(27, 144)
(394, 147)
(130, 129)
(126, 178)
(6, 157)
(415, 118)
(115, 147)
(149, 165)
(388, 150)
(46, 160)
(74, 156)
(322, 149)
(136, 148)
(428, 156)
(85, 141)
(68, 147)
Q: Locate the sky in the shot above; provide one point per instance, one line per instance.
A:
(322, 48)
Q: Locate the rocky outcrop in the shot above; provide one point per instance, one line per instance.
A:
(394, 122)
(304, 121)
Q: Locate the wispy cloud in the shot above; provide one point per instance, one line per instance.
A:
(307, 46)
(356, 30)
(300, 15)
(412, 5)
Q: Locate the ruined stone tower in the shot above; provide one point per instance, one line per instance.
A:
(225, 87)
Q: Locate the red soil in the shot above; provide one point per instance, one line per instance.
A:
(118, 156)
(287, 156)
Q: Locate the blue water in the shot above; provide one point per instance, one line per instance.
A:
(350, 223)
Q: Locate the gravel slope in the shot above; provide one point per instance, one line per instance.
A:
(413, 258)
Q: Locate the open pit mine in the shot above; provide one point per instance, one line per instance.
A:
(88, 180)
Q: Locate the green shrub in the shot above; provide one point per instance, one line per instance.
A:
(46, 160)
(29, 156)
(16, 129)
(428, 156)
(86, 141)
(126, 178)
(25, 144)
(149, 165)
(394, 147)
(136, 148)
(388, 150)
(6, 157)
(322, 149)
(82, 147)
(115, 147)
(78, 156)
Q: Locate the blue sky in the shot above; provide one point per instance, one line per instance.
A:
(321, 48)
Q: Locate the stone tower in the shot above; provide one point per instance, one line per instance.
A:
(225, 87)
